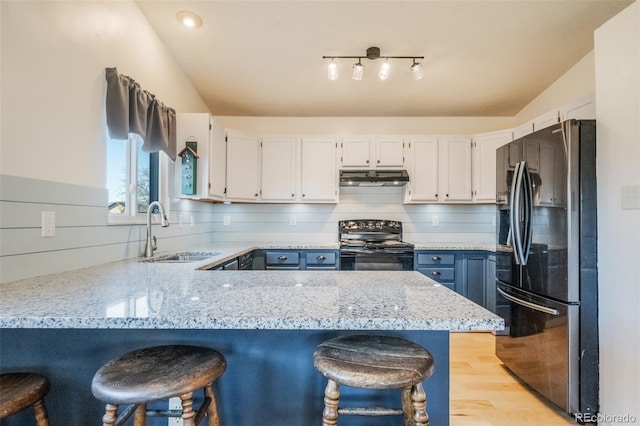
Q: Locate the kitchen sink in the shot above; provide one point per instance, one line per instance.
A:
(185, 257)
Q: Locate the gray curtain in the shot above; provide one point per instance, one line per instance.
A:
(130, 109)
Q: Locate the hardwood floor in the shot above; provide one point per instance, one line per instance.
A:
(485, 393)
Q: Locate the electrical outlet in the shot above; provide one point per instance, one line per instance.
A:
(226, 220)
(48, 224)
(292, 220)
(435, 220)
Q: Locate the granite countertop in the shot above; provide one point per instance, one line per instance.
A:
(135, 294)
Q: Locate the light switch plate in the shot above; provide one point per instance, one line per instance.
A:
(631, 197)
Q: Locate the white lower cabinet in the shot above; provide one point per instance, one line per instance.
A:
(319, 177)
(243, 166)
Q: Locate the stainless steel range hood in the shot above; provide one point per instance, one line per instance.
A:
(373, 177)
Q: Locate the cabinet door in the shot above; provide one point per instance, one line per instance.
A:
(547, 172)
(474, 265)
(318, 175)
(278, 168)
(580, 109)
(217, 159)
(484, 163)
(356, 152)
(454, 169)
(389, 152)
(523, 130)
(423, 169)
(548, 119)
(242, 166)
(490, 284)
(194, 127)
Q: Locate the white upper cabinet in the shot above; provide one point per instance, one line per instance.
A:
(211, 148)
(580, 109)
(423, 169)
(278, 168)
(454, 168)
(372, 152)
(217, 160)
(319, 177)
(545, 120)
(243, 166)
(389, 152)
(484, 163)
(356, 152)
(523, 130)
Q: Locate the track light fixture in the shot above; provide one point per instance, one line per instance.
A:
(372, 54)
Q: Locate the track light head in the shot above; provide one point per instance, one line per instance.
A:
(373, 53)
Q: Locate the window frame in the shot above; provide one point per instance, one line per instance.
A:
(157, 187)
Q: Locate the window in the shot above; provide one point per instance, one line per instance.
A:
(132, 177)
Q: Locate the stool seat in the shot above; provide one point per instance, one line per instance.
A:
(20, 391)
(157, 373)
(373, 362)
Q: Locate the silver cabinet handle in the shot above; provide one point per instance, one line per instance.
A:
(436, 273)
(321, 258)
(530, 305)
(436, 258)
(282, 257)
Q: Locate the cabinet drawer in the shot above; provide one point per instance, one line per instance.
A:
(436, 259)
(282, 258)
(442, 275)
(321, 258)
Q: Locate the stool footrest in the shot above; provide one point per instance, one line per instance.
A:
(370, 411)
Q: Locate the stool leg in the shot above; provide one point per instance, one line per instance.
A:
(419, 402)
(212, 410)
(187, 409)
(110, 415)
(140, 415)
(331, 396)
(41, 413)
(407, 406)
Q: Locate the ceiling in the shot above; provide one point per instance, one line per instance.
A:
(482, 58)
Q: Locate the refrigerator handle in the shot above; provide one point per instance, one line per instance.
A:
(529, 305)
(528, 213)
(514, 213)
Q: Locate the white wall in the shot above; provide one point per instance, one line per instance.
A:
(577, 82)
(53, 82)
(366, 125)
(53, 132)
(617, 73)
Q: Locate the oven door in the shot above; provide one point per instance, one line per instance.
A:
(375, 261)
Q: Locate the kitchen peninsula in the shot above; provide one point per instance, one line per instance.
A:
(267, 323)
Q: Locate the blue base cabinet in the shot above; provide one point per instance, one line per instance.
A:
(470, 273)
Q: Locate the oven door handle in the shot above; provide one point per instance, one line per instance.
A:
(529, 305)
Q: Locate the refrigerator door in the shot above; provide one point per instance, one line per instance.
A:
(541, 346)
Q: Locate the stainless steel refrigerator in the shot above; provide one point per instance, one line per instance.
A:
(546, 260)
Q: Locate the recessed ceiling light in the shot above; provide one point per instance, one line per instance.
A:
(189, 19)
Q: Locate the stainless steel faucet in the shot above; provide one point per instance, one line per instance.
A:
(164, 222)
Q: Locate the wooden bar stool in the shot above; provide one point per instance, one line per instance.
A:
(19, 391)
(374, 362)
(158, 373)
